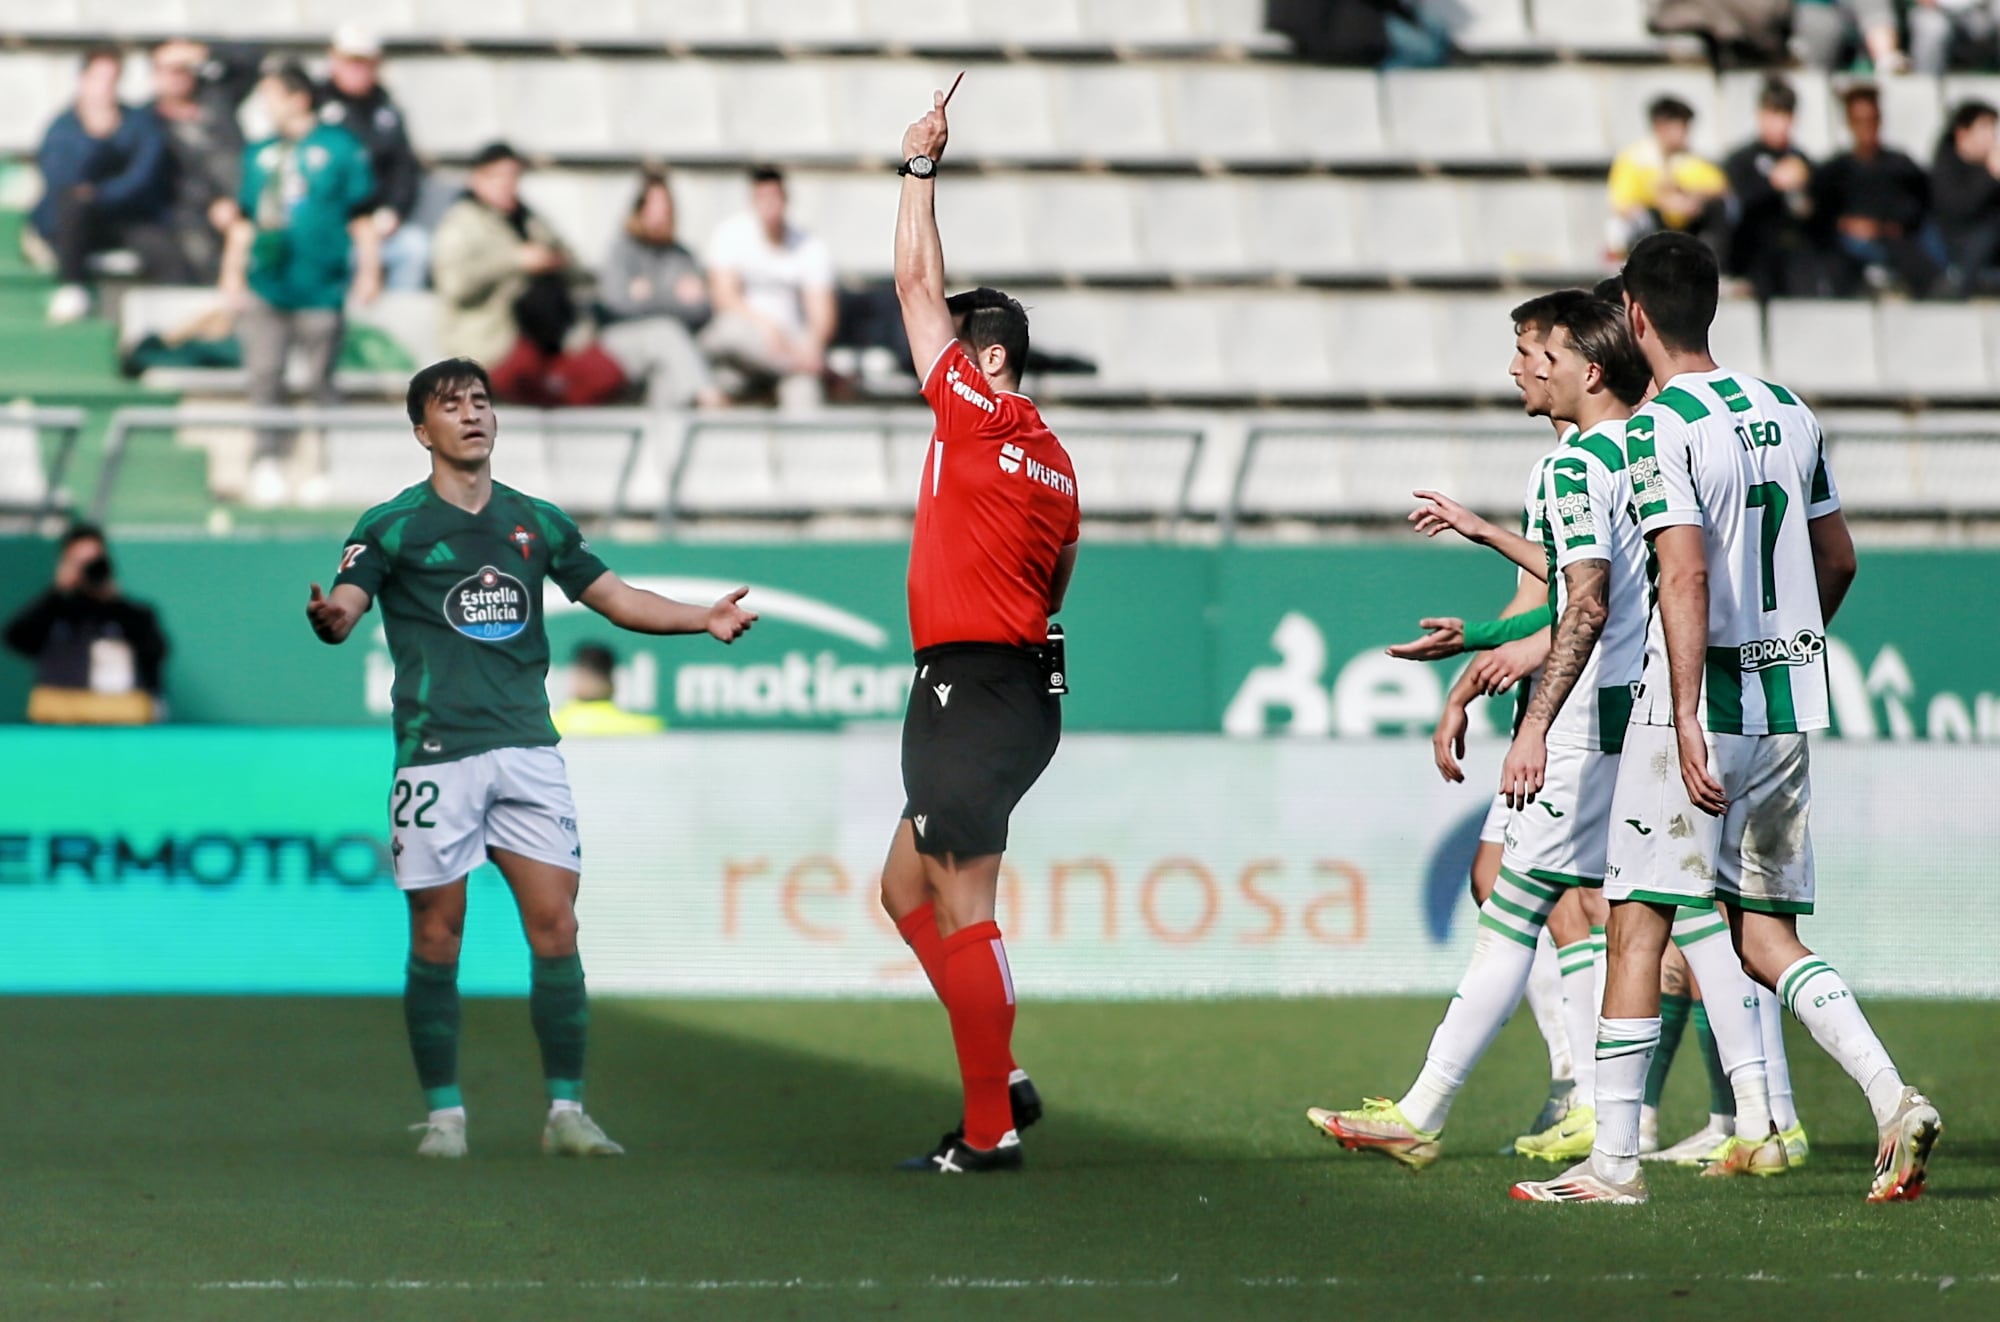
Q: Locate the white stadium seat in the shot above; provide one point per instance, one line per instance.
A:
(1525, 227)
(581, 88)
(671, 110)
(1332, 115)
(806, 20)
(1933, 349)
(1228, 114)
(1626, 97)
(1412, 228)
(1192, 227)
(452, 105)
(1275, 344)
(1027, 129)
(780, 110)
(1606, 26)
(1088, 221)
(321, 16)
(1737, 338)
(1113, 113)
(1550, 116)
(694, 20)
(987, 221)
(1382, 345)
(1823, 346)
(33, 88)
(1441, 116)
(459, 18)
(1305, 226)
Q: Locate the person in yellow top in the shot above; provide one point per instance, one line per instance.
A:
(1657, 183)
(590, 709)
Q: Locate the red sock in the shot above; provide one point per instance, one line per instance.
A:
(919, 929)
(979, 994)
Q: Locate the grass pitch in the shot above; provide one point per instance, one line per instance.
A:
(222, 1159)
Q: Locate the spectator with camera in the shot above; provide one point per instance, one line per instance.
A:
(98, 655)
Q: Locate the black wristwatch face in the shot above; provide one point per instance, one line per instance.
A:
(923, 167)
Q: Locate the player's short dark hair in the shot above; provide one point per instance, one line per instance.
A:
(595, 658)
(1778, 95)
(1968, 113)
(1862, 92)
(1611, 289)
(291, 75)
(1599, 331)
(1544, 310)
(1669, 108)
(442, 380)
(766, 174)
(103, 50)
(987, 317)
(1676, 279)
(82, 532)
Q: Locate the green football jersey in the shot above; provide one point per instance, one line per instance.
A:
(461, 604)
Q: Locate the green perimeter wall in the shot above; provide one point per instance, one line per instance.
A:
(1244, 638)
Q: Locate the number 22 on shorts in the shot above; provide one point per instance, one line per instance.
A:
(422, 796)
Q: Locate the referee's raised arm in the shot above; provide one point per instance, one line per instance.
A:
(919, 252)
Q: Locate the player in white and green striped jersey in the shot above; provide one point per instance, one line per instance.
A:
(1753, 557)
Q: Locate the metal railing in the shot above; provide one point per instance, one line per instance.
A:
(126, 422)
(68, 425)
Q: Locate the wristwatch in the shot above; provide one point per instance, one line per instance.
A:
(923, 167)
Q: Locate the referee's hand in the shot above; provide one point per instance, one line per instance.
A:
(727, 620)
(928, 135)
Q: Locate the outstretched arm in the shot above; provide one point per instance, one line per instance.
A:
(649, 612)
(919, 251)
(1439, 512)
(333, 615)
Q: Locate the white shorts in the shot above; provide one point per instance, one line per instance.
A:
(1757, 855)
(1493, 830)
(1559, 838)
(444, 817)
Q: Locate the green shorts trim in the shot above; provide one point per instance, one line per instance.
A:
(1661, 897)
(1752, 904)
(1535, 883)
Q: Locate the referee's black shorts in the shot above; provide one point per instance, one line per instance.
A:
(980, 729)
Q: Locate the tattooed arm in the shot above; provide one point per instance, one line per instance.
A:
(1577, 632)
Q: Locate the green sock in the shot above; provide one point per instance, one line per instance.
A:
(1673, 1023)
(561, 1013)
(430, 1013)
(1721, 1097)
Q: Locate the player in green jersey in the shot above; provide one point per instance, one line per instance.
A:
(458, 564)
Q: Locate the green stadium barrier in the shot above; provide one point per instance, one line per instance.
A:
(204, 860)
(1237, 638)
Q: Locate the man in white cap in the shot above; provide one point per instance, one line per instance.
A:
(353, 97)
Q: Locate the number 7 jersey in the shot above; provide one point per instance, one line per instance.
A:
(1745, 462)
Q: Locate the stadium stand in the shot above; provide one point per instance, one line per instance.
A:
(1216, 227)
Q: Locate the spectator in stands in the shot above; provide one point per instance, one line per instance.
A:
(353, 98)
(1823, 31)
(1774, 245)
(655, 290)
(1738, 33)
(511, 294)
(591, 709)
(1878, 202)
(1659, 183)
(301, 246)
(1965, 193)
(775, 313)
(106, 183)
(97, 653)
(197, 92)
(1942, 29)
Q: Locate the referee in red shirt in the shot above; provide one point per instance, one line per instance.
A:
(994, 546)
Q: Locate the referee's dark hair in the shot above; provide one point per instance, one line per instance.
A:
(1674, 277)
(1544, 310)
(442, 380)
(987, 317)
(1600, 335)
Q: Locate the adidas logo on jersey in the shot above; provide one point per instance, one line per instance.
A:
(441, 554)
(1010, 458)
(1801, 649)
(967, 393)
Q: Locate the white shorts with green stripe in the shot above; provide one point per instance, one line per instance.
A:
(1756, 856)
(1558, 839)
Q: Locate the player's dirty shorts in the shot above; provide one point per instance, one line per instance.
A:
(1559, 838)
(1493, 830)
(1757, 855)
(445, 816)
(980, 730)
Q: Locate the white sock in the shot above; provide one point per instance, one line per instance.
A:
(1821, 1000)
(1601, 960)
(448, 1113)
(1624, 1054)
(1777, 1068)
(1579, 987)
(1487, 995)
(560, 1104)
(1545, 1000)
(1730, 999)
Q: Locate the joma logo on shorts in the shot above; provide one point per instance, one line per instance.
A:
(1801, 649)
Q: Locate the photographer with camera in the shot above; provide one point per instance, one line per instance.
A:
(97, 653)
